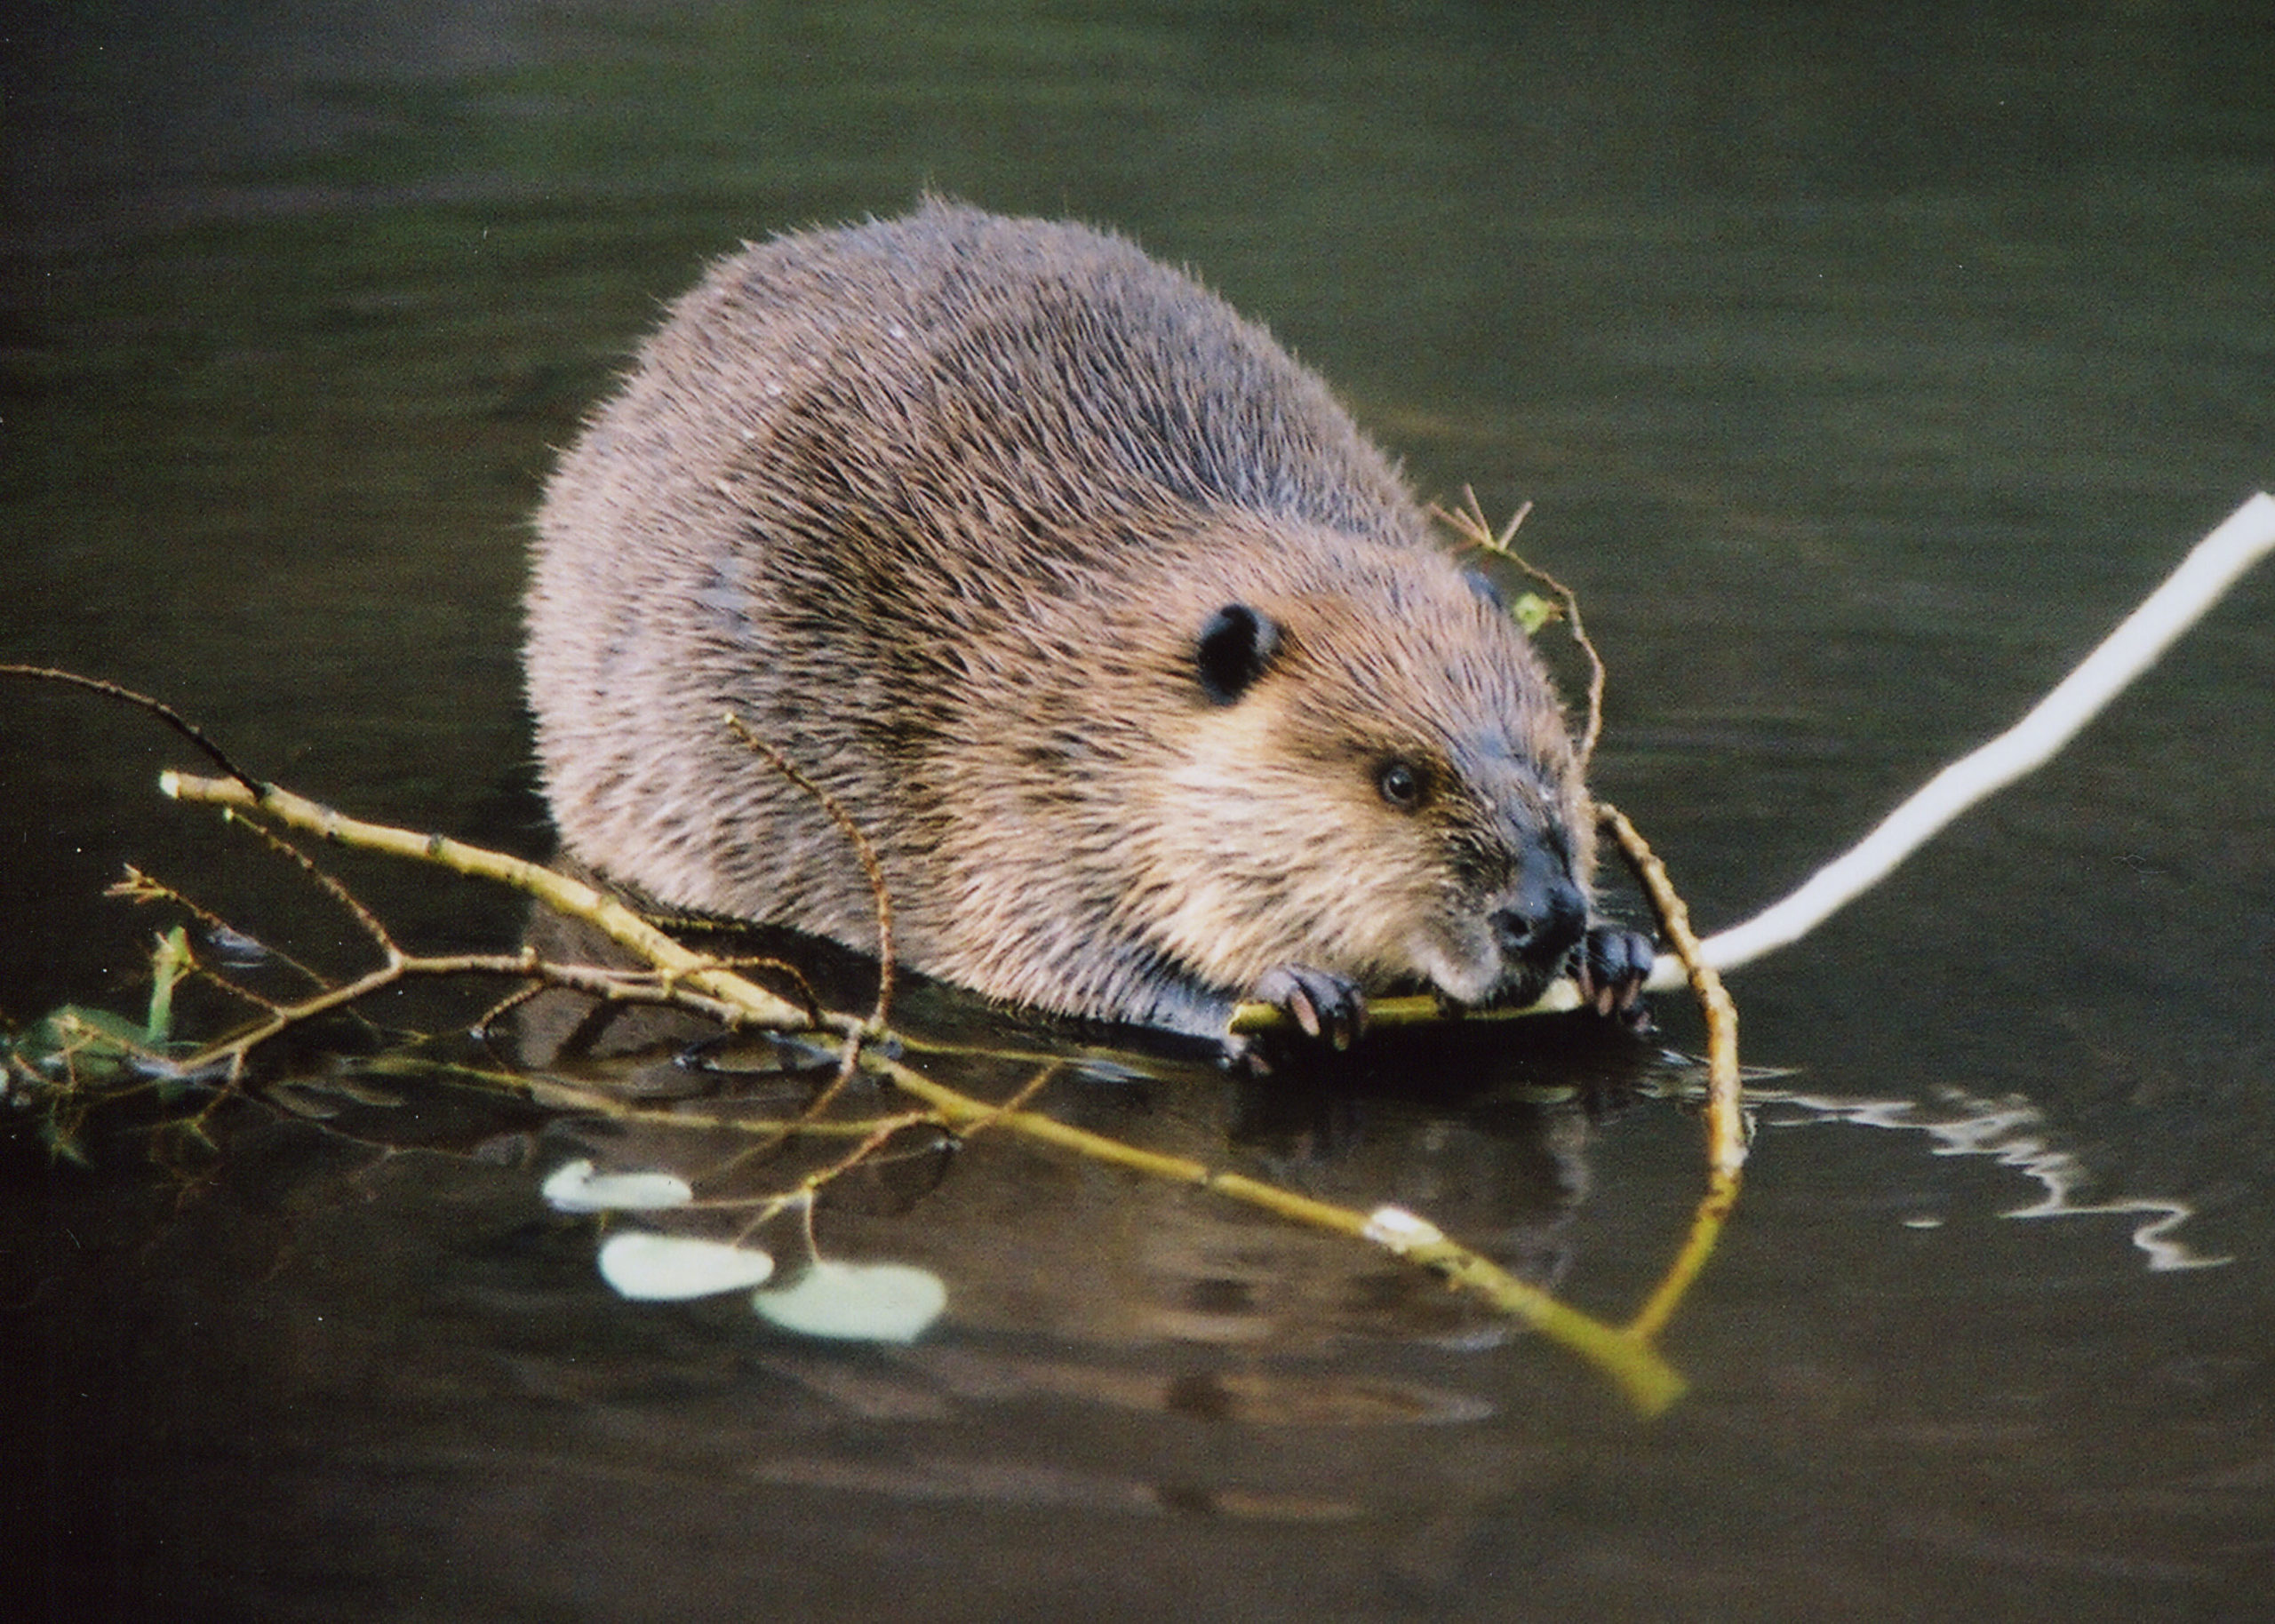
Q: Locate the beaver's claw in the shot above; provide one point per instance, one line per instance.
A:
(1325, 1006)
(1610, 966)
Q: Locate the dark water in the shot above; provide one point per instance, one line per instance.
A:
(1864, 366)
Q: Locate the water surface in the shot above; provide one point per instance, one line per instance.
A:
(1863, 369)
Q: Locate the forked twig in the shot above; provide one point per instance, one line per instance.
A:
(140, 886)
(863, 851)
(1470, 524)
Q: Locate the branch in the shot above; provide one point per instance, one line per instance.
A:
(755, 1007)
(1468, 523)
(2245, 536)
(158, 708)
(1724, 1110)
(1626, 1357)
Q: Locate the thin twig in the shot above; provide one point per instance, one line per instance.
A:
(608, 986)
(158, 708)
(862, 850)
(1020, 1099)
(800, 1195)
(760, 963)
(1724, 1125)
(141, 886)
(847, 1067)
(329, 886)
(1725, 1145)
(685, 924)
(489, 1018)
(753, 1005)
(244, 994)
(1469, 523)
(235, 1049)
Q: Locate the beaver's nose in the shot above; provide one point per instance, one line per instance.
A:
(1543, 915)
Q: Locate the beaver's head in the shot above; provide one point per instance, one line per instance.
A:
(1370, 775)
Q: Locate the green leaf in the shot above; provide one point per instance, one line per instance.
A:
(75, 1042)
(169, 961)
(1533, 612)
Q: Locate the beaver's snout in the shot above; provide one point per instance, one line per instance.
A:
(1543, 917)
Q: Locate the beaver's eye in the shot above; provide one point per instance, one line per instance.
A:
(1400, 783)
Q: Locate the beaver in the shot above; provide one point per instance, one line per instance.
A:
(1132, 657)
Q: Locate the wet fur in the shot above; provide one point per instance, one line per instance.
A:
(940, 506)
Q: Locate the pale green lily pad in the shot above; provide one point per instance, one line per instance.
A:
(864, 1303)
(575, 1188)
(674, 1267)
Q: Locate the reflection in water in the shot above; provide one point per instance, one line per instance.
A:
(1104, 1260)
(2014, 1132)
(1484, 1136)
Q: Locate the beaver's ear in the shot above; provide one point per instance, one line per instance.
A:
(1235, 648)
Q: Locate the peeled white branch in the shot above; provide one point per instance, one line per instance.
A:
(2207, 572)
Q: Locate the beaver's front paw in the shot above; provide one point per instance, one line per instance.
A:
(1326, 1007)
(1610, 967)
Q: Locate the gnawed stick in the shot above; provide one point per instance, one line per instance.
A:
(2213, 565)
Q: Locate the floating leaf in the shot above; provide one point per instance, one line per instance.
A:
(90, 1045)
(575, 1188)
(866, 1303)
(672, 1268)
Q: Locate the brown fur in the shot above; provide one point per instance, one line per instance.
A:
(938, 506)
